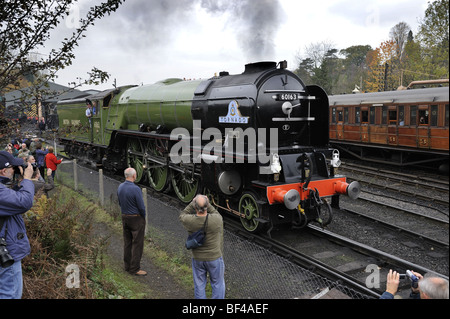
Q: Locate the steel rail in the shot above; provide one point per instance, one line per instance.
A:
(305, 261)
(373, 252)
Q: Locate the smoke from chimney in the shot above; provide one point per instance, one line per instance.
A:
(257, 23)
(153, 23)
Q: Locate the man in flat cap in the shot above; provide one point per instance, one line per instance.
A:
(14, 244)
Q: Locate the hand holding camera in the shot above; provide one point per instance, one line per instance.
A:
(26, 170)
(414, 277)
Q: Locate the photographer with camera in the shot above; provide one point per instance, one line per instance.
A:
(14, 244)
(207, 258)
(422, 287)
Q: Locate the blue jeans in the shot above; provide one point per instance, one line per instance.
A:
(11, 281)
(216, 270)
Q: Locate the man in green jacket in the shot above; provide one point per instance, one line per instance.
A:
(208, 257)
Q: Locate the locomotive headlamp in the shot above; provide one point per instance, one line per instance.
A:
(335, 161)
(275, 165)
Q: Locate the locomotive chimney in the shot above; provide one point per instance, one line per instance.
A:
(259, 66)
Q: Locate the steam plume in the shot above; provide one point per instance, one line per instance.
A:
(153, 23)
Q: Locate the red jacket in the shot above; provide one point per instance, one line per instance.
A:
(51, 161)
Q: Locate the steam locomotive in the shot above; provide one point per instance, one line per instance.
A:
(256, 143)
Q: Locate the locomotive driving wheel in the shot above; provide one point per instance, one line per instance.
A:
(185, 184)
(135, 157)
(250, 211)
(157, 173)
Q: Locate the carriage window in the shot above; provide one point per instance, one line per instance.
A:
(346, 115)
(358, 115)
(423, 117)
(434, 115)
(401, 115)
(372, 115)
(333, 115)
(365, 116)
(392, 117)
(446, 114)
(413, 115)
(384, 115)
(340, 116)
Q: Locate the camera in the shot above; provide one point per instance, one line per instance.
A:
(17, 170)
(24, 167)
(5, 258)
(413, 278)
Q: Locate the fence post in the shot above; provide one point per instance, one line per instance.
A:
(101, 188)
(75, 174)
(144, 195)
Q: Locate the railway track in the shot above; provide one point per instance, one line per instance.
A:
(334, 256)
(418, 234)
(429, 189)
(414, 240)
(385, 260)
(403, 224)
(437, 183)
(421, 209)
(302, 259)
(407, 218)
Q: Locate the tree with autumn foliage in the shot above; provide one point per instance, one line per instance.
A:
(433, 37)
(396, 62)
(382, 63)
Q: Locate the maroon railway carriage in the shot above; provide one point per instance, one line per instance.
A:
(407, 127)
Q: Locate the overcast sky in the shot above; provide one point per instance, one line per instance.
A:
(145, 41)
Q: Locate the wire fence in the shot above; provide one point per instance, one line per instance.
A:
(251, 271)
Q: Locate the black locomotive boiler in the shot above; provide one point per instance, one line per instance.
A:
(256, 143)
